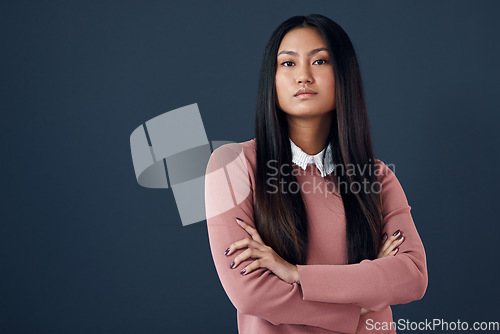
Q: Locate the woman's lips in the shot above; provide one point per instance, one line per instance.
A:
(305, 92)
(305, 95)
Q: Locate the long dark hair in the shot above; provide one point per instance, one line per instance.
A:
(280, 217)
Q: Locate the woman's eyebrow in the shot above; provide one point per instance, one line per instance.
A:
(310, 53)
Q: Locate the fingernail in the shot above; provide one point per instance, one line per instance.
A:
(396, 249)
(395, 233)
(400, 236)
(243, 271)
(241, 220)
(231, 265)
(384, 237)
(227, 251)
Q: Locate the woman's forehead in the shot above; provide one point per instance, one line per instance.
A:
(302, 40)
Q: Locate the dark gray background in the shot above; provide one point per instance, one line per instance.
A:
(85, 249)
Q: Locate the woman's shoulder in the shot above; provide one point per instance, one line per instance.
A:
(244, 149)
(235, 154)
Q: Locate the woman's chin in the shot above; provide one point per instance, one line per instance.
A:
(306, 111)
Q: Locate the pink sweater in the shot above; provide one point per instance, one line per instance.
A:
(331, 293)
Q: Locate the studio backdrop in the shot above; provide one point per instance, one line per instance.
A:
(111, 109)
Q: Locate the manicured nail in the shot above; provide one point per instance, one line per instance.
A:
(384, 237)
(396, 233)
(396, 249)
(227, 251)
(400, 236)
(243, 271)
(231, 265)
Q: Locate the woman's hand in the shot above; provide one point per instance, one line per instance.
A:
(265, 256)
(391, 244)
(389, 248)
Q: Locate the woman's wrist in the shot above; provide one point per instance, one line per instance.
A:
(297, 278)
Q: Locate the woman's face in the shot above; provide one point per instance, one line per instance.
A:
(303, 61)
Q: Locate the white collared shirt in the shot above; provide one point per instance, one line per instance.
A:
(302, 159)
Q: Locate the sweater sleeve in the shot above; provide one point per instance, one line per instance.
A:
(375, 284)
(229, 194)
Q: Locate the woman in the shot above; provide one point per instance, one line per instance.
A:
(298, 217)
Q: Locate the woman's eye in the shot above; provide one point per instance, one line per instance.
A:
(321, 60)
(289, 63)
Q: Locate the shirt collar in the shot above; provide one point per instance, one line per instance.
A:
(302, 159)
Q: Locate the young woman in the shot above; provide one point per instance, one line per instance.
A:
(308, 231)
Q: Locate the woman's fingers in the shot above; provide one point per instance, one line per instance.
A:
(395, 243)
(391, 244)
(247, 242)
(394, 236)
(251, 230)
(255, 249)
(247, 254)
(393, 247)
(251, 267)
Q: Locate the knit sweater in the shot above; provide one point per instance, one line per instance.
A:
(331, 292)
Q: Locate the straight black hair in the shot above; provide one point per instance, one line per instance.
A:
(280, 217)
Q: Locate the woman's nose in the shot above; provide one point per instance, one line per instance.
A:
(304, 74)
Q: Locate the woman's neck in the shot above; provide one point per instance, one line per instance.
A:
(310, 133)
